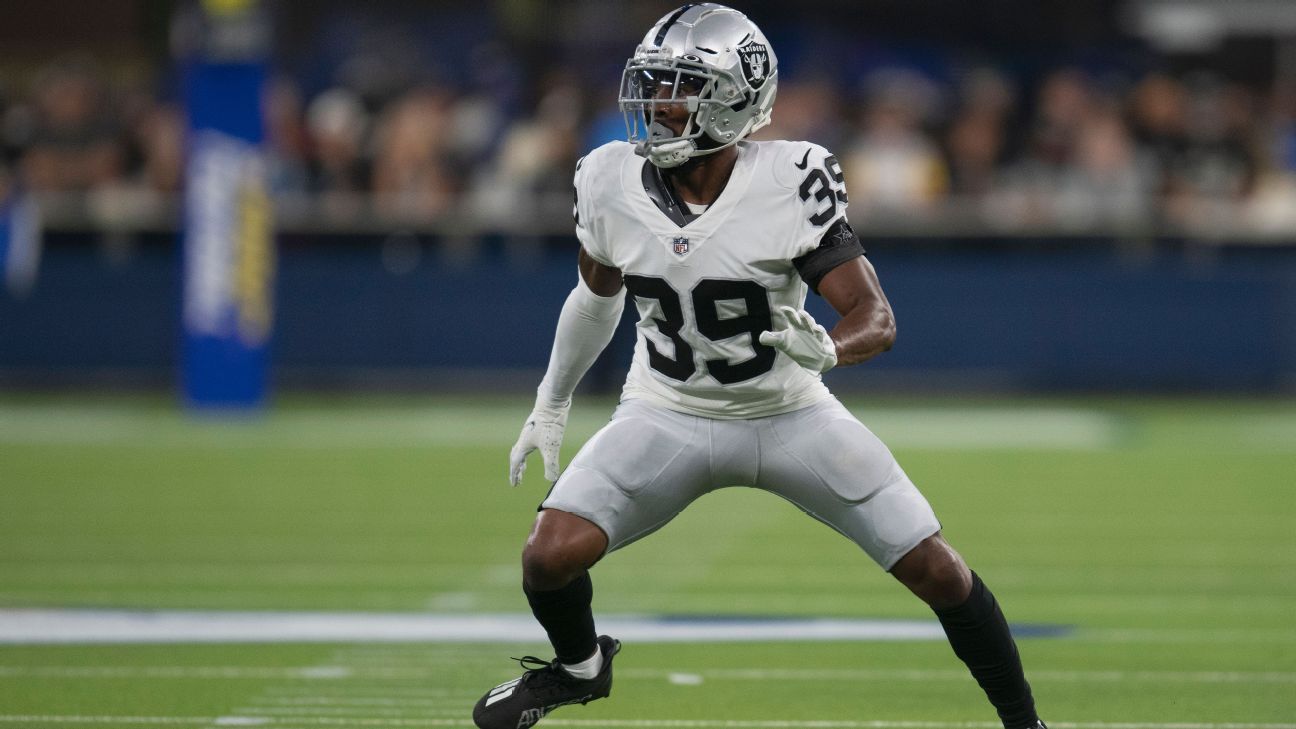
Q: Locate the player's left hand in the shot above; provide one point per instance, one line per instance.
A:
(800, 337)
(543, 430)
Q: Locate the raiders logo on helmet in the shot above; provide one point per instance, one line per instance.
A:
(755, 63)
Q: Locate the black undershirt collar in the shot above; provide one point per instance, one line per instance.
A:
(662, 193)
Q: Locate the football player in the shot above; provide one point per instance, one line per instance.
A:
(717, 240)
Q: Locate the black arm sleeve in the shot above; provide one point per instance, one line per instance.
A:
(837, 246)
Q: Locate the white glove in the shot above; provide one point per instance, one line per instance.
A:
(800, 337)
(544, 430)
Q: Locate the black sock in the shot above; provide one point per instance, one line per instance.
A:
(567, 617)
(979, 635)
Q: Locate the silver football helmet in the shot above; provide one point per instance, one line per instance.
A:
(711, 58)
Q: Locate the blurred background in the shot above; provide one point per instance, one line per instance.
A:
(1083, 213)
(1057, 195)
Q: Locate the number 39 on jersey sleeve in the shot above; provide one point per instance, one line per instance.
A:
(824, 239)
(822, 186)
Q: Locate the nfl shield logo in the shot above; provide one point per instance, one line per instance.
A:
(680, 245)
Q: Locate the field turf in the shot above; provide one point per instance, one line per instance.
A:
(1158, 532)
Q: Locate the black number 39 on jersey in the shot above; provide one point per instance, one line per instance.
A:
(827, 185)
(706, 296)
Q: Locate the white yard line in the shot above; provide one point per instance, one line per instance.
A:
(72, 626)
(44, 626)
(620, 723)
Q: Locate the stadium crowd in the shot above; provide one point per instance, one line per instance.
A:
(1064, 148)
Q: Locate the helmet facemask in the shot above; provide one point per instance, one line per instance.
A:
(654, 79)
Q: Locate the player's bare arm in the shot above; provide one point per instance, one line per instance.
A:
(867, 327)
(602, 280)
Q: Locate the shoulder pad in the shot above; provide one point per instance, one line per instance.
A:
(596, 171)
(609, 155)
(817, 183)
(792, 161)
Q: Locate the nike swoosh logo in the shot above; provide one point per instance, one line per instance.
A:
(804, 161)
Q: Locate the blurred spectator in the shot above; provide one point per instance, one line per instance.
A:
(159, 136)
(336, 125)
(73, 143)
(1109, 182)
(372, 134)
(532, 174)
(976, 143)
(1082, 166)
(1272, 204)
(1159, 118)
(1065, 101)
(285, 136)
(892, 166)
(985, 90)
(810, 111)
(1224, 132)
(411, 178)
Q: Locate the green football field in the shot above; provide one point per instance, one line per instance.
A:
(1145, 548)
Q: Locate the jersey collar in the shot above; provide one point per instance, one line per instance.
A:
(662, 196)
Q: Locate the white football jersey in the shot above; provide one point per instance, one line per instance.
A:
(705, 290)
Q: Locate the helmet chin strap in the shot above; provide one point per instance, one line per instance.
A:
(670, 154)
(675, 153)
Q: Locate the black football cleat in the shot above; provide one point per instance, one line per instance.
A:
(545, 686)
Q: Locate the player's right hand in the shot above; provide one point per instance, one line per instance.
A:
(543, 430)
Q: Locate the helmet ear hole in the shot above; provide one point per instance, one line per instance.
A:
(725, 90)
